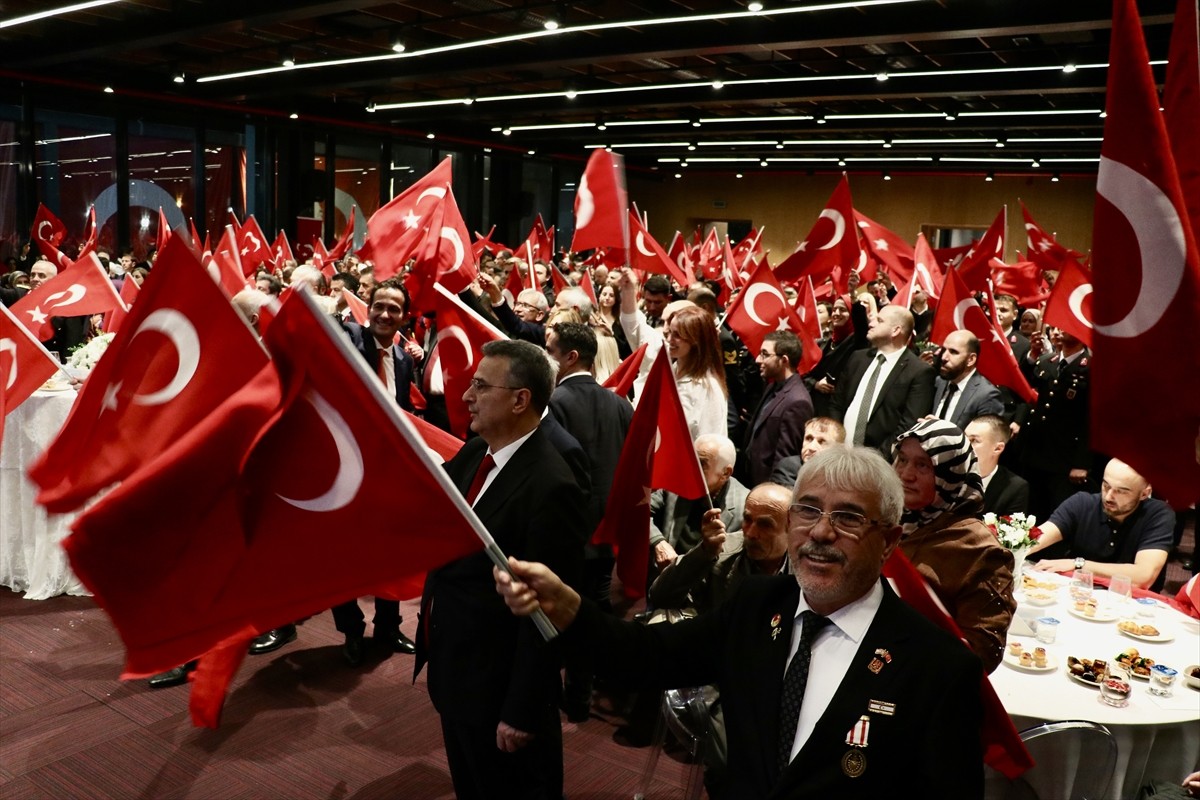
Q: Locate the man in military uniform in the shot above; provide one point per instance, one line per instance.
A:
(1056, 458)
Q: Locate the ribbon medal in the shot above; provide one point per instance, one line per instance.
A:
(854, 763)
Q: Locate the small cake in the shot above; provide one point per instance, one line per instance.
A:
(1039, 656)
(1015, 648)
(1026, 660)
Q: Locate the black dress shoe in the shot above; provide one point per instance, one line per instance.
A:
(354, 651)
(272, 640)
(172, 677)
(397, 642)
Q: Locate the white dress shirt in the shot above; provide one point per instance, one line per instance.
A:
(851, 417)
(961, 383)
(501, 457)
(832, 652)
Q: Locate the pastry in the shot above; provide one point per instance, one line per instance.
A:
(1015, 648)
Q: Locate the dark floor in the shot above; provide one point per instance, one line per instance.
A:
(298, 723)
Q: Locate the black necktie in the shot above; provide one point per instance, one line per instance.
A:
(864, 410)
(950, 390)
(794, 681)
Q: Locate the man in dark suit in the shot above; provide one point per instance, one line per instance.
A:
(960, 393)
(599, 419)
(492, 677)
(776, 429)
(1004, 491)
(886, 389)
(825, 677)
(375, 342)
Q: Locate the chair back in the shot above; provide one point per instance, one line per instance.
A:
(1073, 760)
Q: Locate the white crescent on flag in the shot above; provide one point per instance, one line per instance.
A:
(457, 333)
(349, 476)
(1075, 301)
(585, 204)
(9, 346)
(460, 253)
(752, 294)
(640, 242)
(839, 226)
(74, 293)
(182, 333)
(41, 225)
(1161, 244)
(435, 191)
(960, 311)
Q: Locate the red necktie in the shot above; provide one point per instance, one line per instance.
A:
(481, 474)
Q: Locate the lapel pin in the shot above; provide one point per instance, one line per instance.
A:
(775, 620)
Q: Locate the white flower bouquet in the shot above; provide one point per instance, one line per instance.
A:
(1016, 532)
(86, 355)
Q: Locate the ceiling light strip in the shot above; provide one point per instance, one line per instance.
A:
(53, 12)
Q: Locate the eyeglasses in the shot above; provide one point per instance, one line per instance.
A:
(850, 524)
(479, 386)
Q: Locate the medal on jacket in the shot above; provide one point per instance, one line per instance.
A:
(854, 763)
(775, 620)
(882, 657)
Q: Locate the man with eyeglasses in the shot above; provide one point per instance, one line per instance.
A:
(492, 678)
(832, 686)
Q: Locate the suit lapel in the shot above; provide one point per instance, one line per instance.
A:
(520, 468)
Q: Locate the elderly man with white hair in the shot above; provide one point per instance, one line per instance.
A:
(675, 521)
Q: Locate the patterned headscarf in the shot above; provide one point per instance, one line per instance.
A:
(956, 474)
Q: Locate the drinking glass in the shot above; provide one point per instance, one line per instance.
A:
(1114, 686)
(1122, 590)
(1081, 585)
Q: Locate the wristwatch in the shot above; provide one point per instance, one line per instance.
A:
(1079, 562)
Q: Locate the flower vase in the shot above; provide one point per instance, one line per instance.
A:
(1018, 554)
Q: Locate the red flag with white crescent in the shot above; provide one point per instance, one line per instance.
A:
(885, 247)
(1146, 273)
(832, 242)
(762, 308)
(1042, 248)
(24, 363)
(959, 310)
(281, 250)
(975, 267)
(253, 248)
(397, 230)
(444, 257)
(163, 233)
(358, 309)
(622, 378)
(647, 255)
(225, 264)
(82, 288)
(1070, 304)
(925, 273)
(346, 240)
(181, 351)
(1181, 104)
(47, 233)
(129, 293)
(678, 253)
(601, 203)
(460, 339)
(658, 454)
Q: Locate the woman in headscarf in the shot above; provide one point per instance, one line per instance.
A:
(945, 539)
(847, 334)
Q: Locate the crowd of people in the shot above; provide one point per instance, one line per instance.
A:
(890, 442)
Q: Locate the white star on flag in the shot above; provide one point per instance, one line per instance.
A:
(110, 397)
(411, 220)
(881, 244)
(783, 324)
(37, 316)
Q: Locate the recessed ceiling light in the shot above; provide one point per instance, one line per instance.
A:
(108, 90)
(1054, 178)
(739, 175)
(881, 76)
(1069, 68)
(887, 176)
(531, 152)
(755, 7)
(293, 115)
(398, 47)
(991, 176)
(762, 163)
(179, 78)
(717, 83)
(678, 174)
(430, 135)
(570, 94)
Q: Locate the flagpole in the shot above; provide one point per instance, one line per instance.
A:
(406, 428)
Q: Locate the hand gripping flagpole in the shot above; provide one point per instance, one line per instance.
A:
(427, 458)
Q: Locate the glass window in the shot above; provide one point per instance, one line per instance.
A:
(160, 176)
(224, 169)
(11, 239)
(356, 183)
(74, 164)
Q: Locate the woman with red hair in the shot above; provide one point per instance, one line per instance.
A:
(695, 349)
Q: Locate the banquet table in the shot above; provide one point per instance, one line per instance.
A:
(31, 556)
(1156, 737)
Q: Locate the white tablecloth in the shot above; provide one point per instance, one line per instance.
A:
(31, 556)
(1156, 737)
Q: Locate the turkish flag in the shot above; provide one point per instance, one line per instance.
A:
(48, 232)
(748, 250)
(199, 246)
(1003, 749)
(760, 309)
(344, 242)
(1022, 280)
(515, 284)
(678, 253)
(129, 293)
(950, 257)
(976, 266)
(622, 378)
(832, 242)
(89, 234)
(460, 338)
(1042, 248)
(886, 247)
(601, 203)
(658, 454)
(731, 279)
(358, 309)
(1146, 273)
(443, 257)
(181, 351)
(163, 234)
(483, 243)
(308, 230)
(82, 288)
(321, 259)
(24, 363)
(1070, 304)
(959, 310)
(647, 255)
(588, 287)
(708, 257)
(253, 249)
(443, 444)
(925, 273)
(397, 230)
(539, 241)
(225, 264)
(1181, 101)
(281, 250)
(810, 338)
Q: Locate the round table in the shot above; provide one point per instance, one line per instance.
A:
(31, 556)
(1156, 737)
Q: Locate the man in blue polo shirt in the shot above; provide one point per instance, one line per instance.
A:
(1120, 531)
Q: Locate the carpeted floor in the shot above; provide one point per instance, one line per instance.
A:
(298, 723)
